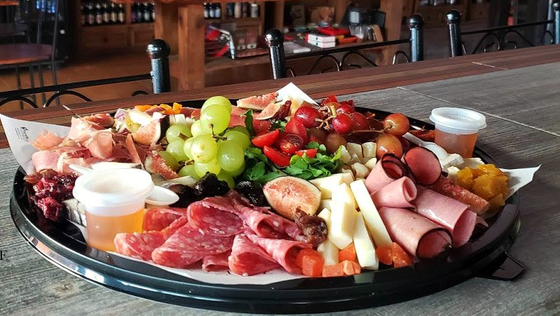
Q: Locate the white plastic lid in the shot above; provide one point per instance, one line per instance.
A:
(113, 187)
(457, 120)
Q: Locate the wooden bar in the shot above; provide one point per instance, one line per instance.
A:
(165, 25)
(191, 29)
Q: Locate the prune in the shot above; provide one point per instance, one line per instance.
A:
(252, 191)
(313, 227)
(207, 186)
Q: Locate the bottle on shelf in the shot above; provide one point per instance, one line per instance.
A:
(106, 13)
(237, 12)
(113, 16)
(120, 15)
(206, 11)
(218, 11)
(90, 14)
(83, 14)
(146, 13)
(133, 10)
(98, 14)
(255, 10)
(153, 11)
(245, 9)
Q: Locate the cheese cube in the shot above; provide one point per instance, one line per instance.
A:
(345, 156)
(326, 204)
(328, 184)
(343, 220)
(344, 194)
(369, 150)
(371, 163)
(329, 252)
(371, 216)
(326, 215)
(360, 170)
(451, 160)
(355, 149)
(364, 246)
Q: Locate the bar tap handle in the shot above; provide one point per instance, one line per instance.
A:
(556, 13)
(275, 40)
(416, 26)
(158, 50)
(454, 30)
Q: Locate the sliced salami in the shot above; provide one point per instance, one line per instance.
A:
(158, 218)
(249, 259)
(282, 251)
(453, 215)
(385, 171)
(448, 188)
(214, 221)
(187, 246)
(398, 193)
(414, 233)
(217, 262)
(423, 164)
(138, 245)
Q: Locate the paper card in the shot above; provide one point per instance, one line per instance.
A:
(292, 91)
(519, 178)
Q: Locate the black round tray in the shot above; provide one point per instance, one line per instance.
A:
(485, 254)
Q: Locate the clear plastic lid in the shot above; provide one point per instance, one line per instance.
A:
(457, 120)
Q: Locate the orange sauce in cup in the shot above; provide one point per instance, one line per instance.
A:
(456, 143)
(102, 229)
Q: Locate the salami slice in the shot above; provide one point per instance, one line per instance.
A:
(249, 259)
(187, 246)
(423, 164)
(158, 218)
(217, 262)
(282, 251)
(213, 221)
(398, 193)
(453, 215)
(138, 245)
(448, 188)
(385, 171)
(414, 233)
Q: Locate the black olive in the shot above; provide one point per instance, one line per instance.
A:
(252, 191)
(210, 185)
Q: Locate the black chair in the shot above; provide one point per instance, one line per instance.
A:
(500, 37)
(275, 40)
(157, 50)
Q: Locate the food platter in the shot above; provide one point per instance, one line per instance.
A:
(63, 245)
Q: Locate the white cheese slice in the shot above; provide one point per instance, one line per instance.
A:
(360, 171)
(452, 174)
(371, 216)
(343, 219)
(364, 246)
(345, 156)
(355, 149)
(371, 163)
(344, 194)
(328, 184)
(326, 204)
(329, 252)
(369, 150)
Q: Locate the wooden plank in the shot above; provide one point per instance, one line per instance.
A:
(278, 18)
(165, 25)
(393, 10)
(191, 27)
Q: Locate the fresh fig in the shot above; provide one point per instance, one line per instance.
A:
(278, 110)
(258, 102)
(286, 195)
(154, 163)
(148, 134)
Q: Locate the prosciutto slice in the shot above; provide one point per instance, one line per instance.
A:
(249, 259)
(385, 171)
(214, 221)
(398, 193)
(217, 262)
(283, 251)
(46, 140)
(448, 188)
(416, 234)
(453, 215)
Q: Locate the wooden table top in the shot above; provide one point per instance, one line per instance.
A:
(522, 109)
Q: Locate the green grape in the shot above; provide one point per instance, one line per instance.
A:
(198, 128)
(202, 168)
(241, 129)
(224, 176)
(169, 160)
(237, 172)
(230, 155)
(176, 149)
(177, 131)
(238, 137)
(188, 170)
(216, 115)
(217, 100)
(204, 148)
(187, 147)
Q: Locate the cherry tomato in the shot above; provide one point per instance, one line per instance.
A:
(307, 116)
(311, 153)
(396, 124)
(342, 124)
(359, 121)
(344, 108)
(278, 158)
(289, 143)
(266, 139)
(387, 143)
(297, 127)
(261, 126)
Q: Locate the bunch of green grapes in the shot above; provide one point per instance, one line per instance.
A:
(209, 144)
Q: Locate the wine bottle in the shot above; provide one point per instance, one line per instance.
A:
(218, 11)
(114, 14)
(98, 14)
(139, 14)
(83, 14)
(121, 16)
(153, 11)
(133, 9)
(91, 14)
(106, 15)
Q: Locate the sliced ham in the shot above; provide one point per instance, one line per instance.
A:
(448, 188)
(138, 245)
(82, 130)
(214, 221)
(398, 193)
(46, 140)
(423, 165)
(100, 145)
(385, 171)
(453, 215)
(217, 262)
(159, 218)
(249, 259)
(282, 251)
(45, 159)
(416, 234)
(133, 151)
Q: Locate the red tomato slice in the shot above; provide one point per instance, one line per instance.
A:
(311, 153)
(261, 126)
(295, 126)
(266, 139)
(278, 158)
(289, 143)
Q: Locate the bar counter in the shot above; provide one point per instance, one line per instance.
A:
(516, 90)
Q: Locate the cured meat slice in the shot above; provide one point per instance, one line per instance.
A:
(46, 140)
(45, 159)
(448, 188)
(282, 251)
(214, 221)
(249, 259)
(138, 245)
(174, 226)
(423, 164)
(453, 215)
(414, 233)
(217, 262)
(100, 145)
(398, 193)
(187, 246)
(158, 218)
(385, 171)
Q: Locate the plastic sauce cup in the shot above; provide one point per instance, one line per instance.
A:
(114, 202)
(457, 129)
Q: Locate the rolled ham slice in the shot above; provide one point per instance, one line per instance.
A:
(398, 193)
(387, 170)
(453, 215)
(249, 259)
(416, 234)
(282, 251)
(448, 188)
(423, 165)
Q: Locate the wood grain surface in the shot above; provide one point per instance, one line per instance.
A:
(521, 109)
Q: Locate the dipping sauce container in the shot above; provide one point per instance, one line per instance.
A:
(457, 129)
(114, 202)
